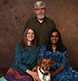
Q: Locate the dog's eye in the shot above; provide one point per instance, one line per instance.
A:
(50, 62)
(43, 62)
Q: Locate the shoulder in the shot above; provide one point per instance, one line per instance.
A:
(65, 53)
(18, 45)
(43, 48)
(31, 19)
(50, 20)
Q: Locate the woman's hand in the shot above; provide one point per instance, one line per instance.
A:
(33, 74)
(34, 69)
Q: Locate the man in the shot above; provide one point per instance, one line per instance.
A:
(40, 23)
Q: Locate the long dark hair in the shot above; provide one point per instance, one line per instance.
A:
(24, 41)
(60, 45)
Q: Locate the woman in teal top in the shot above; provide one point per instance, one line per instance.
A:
(25, 60)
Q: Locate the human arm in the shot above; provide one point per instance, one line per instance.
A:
(18, 58)
(61, 68)
(62, 65)
(19, 61)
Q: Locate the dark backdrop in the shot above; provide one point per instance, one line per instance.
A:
(14, 14)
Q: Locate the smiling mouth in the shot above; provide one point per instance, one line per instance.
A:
(46, 70)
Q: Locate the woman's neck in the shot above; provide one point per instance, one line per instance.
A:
(54, 48)
(29, 43)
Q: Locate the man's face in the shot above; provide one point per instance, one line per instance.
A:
(40, 12)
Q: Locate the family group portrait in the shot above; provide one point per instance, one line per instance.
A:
(38, 40)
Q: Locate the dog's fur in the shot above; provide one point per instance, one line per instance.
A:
(43, 69)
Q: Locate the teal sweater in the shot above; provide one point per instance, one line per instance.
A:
(25, 59)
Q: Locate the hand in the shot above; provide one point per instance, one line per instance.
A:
(34, 69)
(35, 76)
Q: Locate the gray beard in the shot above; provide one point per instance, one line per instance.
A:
(40, 17)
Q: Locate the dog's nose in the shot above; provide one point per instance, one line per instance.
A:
(47, 67)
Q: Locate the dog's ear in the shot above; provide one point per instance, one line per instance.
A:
(39, 62)
(53, 61)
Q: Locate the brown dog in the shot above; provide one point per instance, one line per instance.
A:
(43, 69)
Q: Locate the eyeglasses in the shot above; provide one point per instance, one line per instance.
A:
(55, 36)
(40, 9)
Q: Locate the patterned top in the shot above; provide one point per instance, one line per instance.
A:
(61, 59)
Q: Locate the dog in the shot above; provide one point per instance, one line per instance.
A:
(43, 69)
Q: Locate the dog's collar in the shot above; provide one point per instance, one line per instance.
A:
(42, 72)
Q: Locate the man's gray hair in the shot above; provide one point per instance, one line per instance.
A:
(38, 4)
